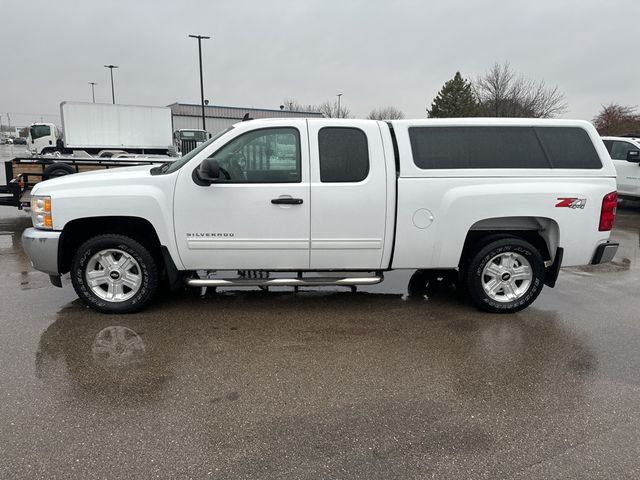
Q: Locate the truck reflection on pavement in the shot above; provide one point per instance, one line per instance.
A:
(246, 336)
(94, 357)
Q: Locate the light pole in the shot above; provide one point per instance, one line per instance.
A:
(339, 95)
(113, 95)
(200, 38)
(93, 92)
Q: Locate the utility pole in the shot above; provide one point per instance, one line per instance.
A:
(113, 95)
(9, 121)
(93, 92)
(200, 38)
(339, 95)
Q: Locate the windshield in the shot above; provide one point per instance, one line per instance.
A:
(177, 165)
(38, 131)
(197, 135)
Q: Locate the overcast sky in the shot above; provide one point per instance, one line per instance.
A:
(375, 53)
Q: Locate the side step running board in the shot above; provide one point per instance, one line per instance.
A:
(283, 282)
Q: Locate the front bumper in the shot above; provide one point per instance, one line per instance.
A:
(605, 253)
(42, 249)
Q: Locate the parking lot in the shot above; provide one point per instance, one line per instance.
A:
(324, 383)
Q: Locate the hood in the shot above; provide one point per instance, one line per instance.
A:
(113, 176)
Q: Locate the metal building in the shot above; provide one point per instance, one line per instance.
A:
(189, 116)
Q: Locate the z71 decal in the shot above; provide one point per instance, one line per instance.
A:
(571, 202)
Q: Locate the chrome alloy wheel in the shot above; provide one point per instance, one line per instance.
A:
(113, 275)
(507, 277)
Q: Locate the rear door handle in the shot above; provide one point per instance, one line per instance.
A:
(286, 201)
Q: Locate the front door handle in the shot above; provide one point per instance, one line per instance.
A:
(286, 201)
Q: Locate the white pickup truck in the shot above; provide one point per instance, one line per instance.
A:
(625, 154)
(501, 203)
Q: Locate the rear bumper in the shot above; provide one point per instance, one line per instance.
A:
(605, 253)
(41, 247)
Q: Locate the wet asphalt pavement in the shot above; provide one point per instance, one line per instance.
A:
(323, 383)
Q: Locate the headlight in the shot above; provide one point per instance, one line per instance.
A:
(41, 212)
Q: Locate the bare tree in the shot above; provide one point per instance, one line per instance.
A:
(501, 93)
(615, 119)
(386, 113)
(329, 108)
(295, 106)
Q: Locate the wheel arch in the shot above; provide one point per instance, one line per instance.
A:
(542, 232)
(77, 231)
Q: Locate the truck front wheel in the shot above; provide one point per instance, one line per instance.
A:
(114, 274)
(505, 275)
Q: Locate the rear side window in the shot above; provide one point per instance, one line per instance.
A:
(344, 154)
(501, 147)
(476, 147)
(568, 147)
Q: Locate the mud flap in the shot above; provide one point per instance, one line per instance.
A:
(551, 272)
(173, 274)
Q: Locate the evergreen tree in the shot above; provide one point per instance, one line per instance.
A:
(455, 99)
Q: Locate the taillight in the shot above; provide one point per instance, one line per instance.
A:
(608, 212)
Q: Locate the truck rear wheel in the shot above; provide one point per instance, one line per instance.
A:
(505, 275)
(114, 274)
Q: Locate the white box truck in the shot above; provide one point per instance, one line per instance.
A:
(94, 136)
(104, 130)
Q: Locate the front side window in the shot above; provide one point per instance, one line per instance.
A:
(38, 131)
(620, 150)
(344, 154)
(270, 155)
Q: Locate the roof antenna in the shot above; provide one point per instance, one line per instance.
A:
(246, 117)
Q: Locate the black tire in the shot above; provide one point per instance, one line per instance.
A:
(475, 278)
(148, 273)
(56, 170)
